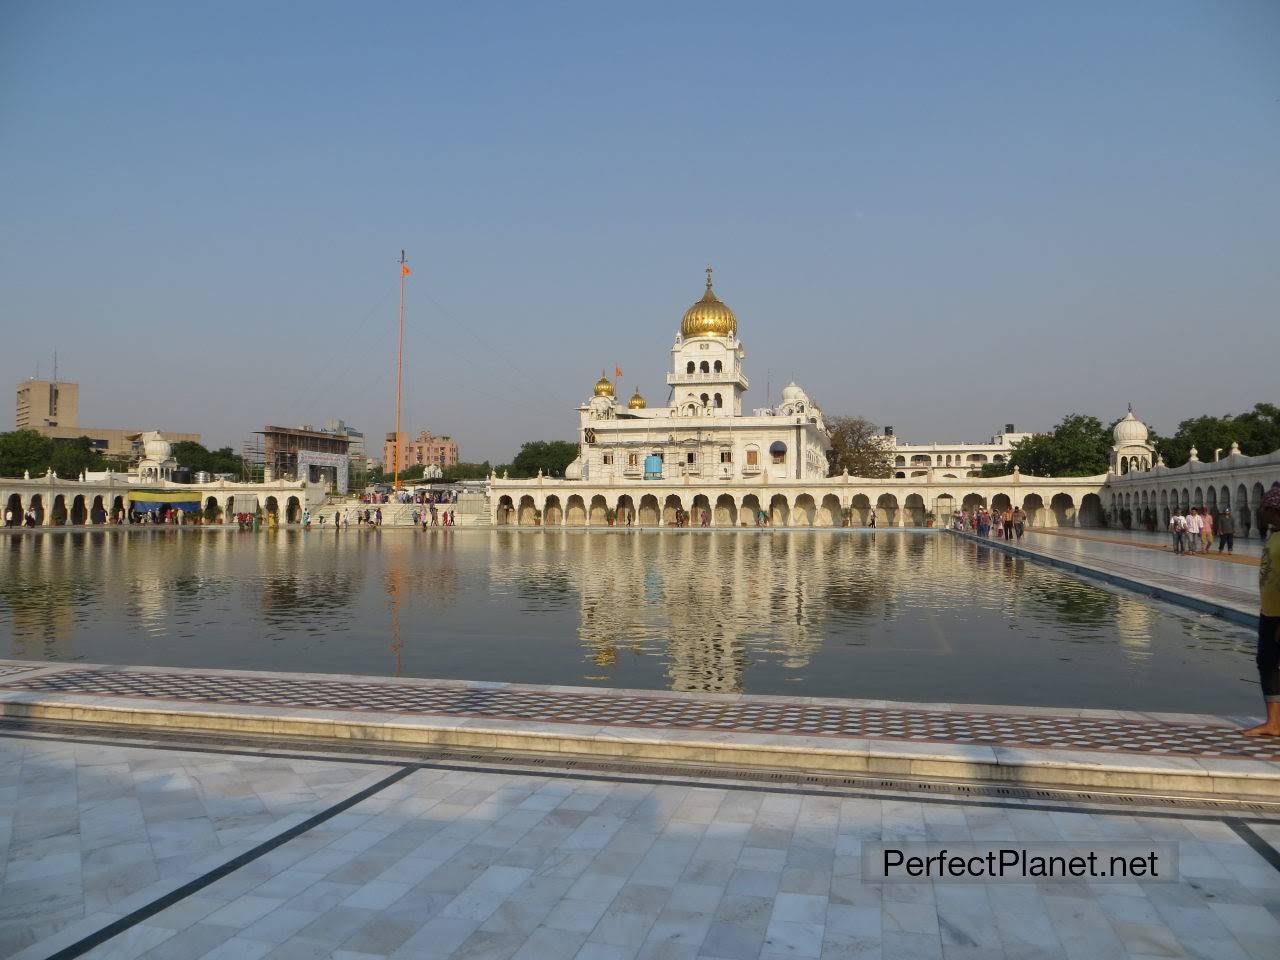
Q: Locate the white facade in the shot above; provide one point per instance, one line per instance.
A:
(950, 460)
(701, 431)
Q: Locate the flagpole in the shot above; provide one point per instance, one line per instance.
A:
(399, 375)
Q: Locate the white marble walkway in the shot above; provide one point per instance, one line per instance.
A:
(493, 864)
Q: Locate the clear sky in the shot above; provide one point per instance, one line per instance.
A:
(940, 216)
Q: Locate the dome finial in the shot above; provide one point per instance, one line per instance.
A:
(709, 272)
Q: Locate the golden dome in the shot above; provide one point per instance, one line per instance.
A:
(604, 386)
(709, 317)
(636, 402)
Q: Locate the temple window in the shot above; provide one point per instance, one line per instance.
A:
(778, 451)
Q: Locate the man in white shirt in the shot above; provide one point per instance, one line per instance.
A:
(1178, 528)
(1194, 526)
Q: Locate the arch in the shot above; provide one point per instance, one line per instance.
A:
(779, 511)
(701, 505)
(1224, 498)
(1091, 509)
(1244, 519)
(1001, 502)
(719, 401)
(58, 515)
(671, 508)
(79, 514)
(704, 367)
(706, 399)
(597, 514)
(778, 453)
(900, 475)
(575, 511)
(552, 512)
(1211, 500)
(272, 508)
(750, 510)
(648, 515)
(1186, 500)
(14, 505)
(118, 507)
(718, 367)
(293, 511)
(210, 502)
(972, 501)
(98, 510)
(887, 510)
(689, 367)
(726, 511)
(829, 514)
(1033, 508)
(914, 509)
(802, 511)
(899, 461)
(37, 507)
(626, 511)
(506, 511)
(944, 508)
(1197, 498)
(860, 506)
(1063, 509)
(948, 460)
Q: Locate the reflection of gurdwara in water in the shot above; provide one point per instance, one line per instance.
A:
(707, 600)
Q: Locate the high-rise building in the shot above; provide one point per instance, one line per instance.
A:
(423, 450)
(47, 403)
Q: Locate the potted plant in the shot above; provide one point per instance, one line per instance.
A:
(930, 518)
(610, 515)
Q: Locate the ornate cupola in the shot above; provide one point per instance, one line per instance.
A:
(604, 386)
(1131, 449)
(637, 402)
(709, 317)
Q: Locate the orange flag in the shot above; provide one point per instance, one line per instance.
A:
(617, 371)
(404, 270)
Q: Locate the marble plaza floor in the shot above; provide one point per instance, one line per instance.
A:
(1230, 586)
(134, 849)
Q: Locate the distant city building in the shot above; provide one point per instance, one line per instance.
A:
(423, 450)
(340, 428)
(300, 453)
(47, 403)
(52, 409)
(950, 459)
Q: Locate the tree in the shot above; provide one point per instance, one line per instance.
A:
(549, 456)
(1079, 446)
(467, 471)
(1257, 432)
(856, 446)
(24, 450)
(195, 457)
(70, 457)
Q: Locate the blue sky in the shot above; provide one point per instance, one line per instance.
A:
(943, 217)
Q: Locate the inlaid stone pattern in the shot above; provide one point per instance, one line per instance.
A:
(630, 710)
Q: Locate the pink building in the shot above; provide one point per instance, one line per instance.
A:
(423, 450)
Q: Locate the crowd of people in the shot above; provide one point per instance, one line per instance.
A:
(1192, 531)
(410, 496)
(1007, 524)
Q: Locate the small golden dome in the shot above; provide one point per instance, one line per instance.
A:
(604, 386)
(709, 317)
(636, 402)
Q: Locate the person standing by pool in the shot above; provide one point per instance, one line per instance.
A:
(1194, 526)
(1019, 522)
(1226, 531)
(1269, 616)
(1177, 527)
(1206, 530)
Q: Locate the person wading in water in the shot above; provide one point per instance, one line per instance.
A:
(1269, 618)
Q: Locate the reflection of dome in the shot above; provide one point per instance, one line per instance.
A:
(604, 386)
(1130, 430)
(709, 317)
(636, 402)
(155, 447)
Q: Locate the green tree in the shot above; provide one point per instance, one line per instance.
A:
(1079, 446)
(549, 456)
(467, 471)
(1257, 432)
(856, 446)
(196, 457)
(24, 450)
(69, 457)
